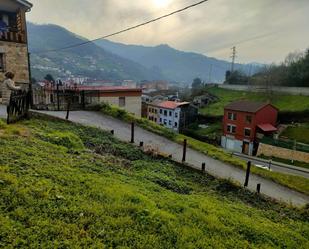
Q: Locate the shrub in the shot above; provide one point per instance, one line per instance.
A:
(65, 139)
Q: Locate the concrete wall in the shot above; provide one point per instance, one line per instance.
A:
(284, 90)
(133, 104)
(269, 150)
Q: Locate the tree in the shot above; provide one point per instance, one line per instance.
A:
(49, 78)
(235, 78)
(197, 86)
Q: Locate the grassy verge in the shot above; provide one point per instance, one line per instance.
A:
(283, 102)
(300, 133)
(286, 161)
(212, 131)
(64, 185)
(297, 183)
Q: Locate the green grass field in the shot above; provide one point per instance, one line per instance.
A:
(67, 186)
(300, 133)
(283, 102)
(213, 129)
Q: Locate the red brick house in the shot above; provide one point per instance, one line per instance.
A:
(243, 121)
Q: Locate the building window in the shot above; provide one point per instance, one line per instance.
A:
(170, 113)
(176, 124)
(160, 120)
(165, 122)
(2, 62)
(232, 116)
(156, 111)
(176, 114)
(231, 129)
(170, 122)
(155, 120)
(122, 101)
(160, 111)
(165, 113)
(248, 119)
(247, 132)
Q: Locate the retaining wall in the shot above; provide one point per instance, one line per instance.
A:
(272, 151)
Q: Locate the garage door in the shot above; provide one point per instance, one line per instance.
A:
(230, 144)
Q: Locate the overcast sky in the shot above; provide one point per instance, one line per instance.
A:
(262, 30)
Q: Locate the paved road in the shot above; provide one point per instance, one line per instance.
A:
(2, 111)
(277, 167)
(194, 158)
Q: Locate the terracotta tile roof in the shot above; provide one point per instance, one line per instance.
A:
(109, 88)
(246, 106)
(172, 104)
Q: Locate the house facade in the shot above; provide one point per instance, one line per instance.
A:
(50, 96)
(173, 115)
(244, 122)
(127, 98)
(13, 41)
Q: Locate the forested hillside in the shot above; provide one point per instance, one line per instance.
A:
(293, 72)
(89, 60)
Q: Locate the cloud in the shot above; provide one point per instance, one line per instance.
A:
(211, 28)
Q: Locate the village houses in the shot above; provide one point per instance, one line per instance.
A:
(13, 41)
(244, 122)
(171, 114)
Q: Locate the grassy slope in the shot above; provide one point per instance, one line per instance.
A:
(299, 133)
(297, 183)
(54, 193)
(283, 102)
(213, 130)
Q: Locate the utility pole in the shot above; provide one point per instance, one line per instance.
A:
(249, 76)
(210, 73)
(233, 56)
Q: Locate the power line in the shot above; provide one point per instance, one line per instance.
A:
(242, 41)
(124, 30)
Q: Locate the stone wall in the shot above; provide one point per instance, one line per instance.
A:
(16, 61)
(269, 150)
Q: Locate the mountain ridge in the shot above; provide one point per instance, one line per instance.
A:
(110, 60)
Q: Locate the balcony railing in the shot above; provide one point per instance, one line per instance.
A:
(12, 36)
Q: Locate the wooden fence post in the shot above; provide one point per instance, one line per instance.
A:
(68, 107)
(132, 132)
(247, 174)
(58, 100)
(184, 150)
(258, 188)
(203, 167)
